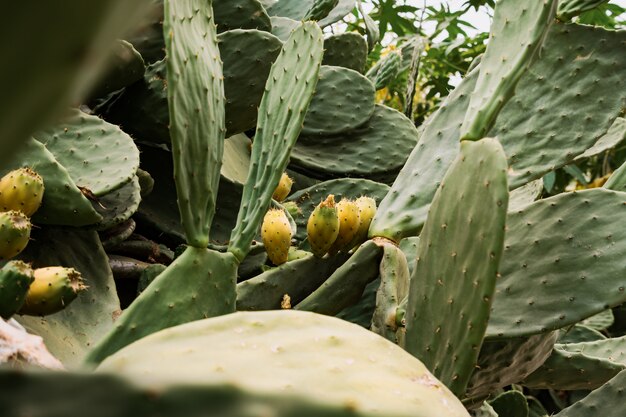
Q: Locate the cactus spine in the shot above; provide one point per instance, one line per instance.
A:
(14, 233)
(323, 226)
(276, 234)
(21, 190)
(52, 290)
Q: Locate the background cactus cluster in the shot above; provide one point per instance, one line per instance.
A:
(244, 231)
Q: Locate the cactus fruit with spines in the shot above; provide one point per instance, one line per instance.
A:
(323, 226)
(349, 223)
(276, 235)
(283, 188)
(22, 190)
(367, 210)
(15, 278)
(15, 229)
(52, 289)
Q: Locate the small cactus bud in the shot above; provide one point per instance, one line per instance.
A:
(276, 235)
(14, 233)
(52, 290)
(283, 189)
(348, 213)
(21, 190)
(292, 208)
(323, 226)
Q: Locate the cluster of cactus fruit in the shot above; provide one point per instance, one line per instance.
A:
(455, 288)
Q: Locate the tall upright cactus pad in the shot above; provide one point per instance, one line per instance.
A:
(99, 156)
(517, 33)
(69, 334)
(63, 202)
(606, 401)
(562, 263)
(195, 96)
(578, 72)
(348, 49)
(452, 286)
(288, 92)
(403, 211)
(195, 286)
(571, 8)
(379, 146)
(73, 40)
(332, 113)
(262, 355)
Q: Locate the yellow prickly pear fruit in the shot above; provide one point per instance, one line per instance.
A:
(21, 190)
(52, 290)
(348, 213)
(276, 235)
(367, 211)
(284, 187)
(14, 233)
(323, 226)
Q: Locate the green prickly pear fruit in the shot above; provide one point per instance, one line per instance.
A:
(15, 278)
(14, 233)
(283, 189)
(52, 290)
(367, 211)
(21, 190)
(292, 208)
(276, 235)
(348, 213)
(323, 226)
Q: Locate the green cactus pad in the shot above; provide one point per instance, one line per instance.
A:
(505, 362)
(55, 65)
(579, 333)
(600, 321)
(248, 56)
(379, 146)
(351, 188)
(117, 206)
(63, 202)
(617, 180)
(125, 66)
(361, 312)
(346, 285)
(293, 9)
(452, 286)
(195, 286)
(195, 86)
(517, 33)
(387, 71)
(240, 14)
(147, 36)
(343, 8)
(333, 113)
(236, 158)
(525, 195)
(288, 92)
(510, 404)
(547, 124)
(15, 278)
(394, 287)
(571, 8)
(298, 279)
(69, 334)
(99, 156)
(320, 9)
(283, 26)
(141, 109)
(606, 401)
(584, 365)
(560, 263)
(346, 365)
(403, 211)
(613, 137)
(348, 50)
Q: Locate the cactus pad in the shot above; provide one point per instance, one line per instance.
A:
(240, 14)
(606, 401)
(348, 50)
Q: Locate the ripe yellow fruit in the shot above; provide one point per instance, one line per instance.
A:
(348, 213)
(21, 190)
(276, 235)
(283, 189)
(367, 211)
(323, 227)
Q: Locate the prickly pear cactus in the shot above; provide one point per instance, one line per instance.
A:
(276, 235)
(14, 233)
(323, 226)
(21, 190)
(15, 278)
(52, 289)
